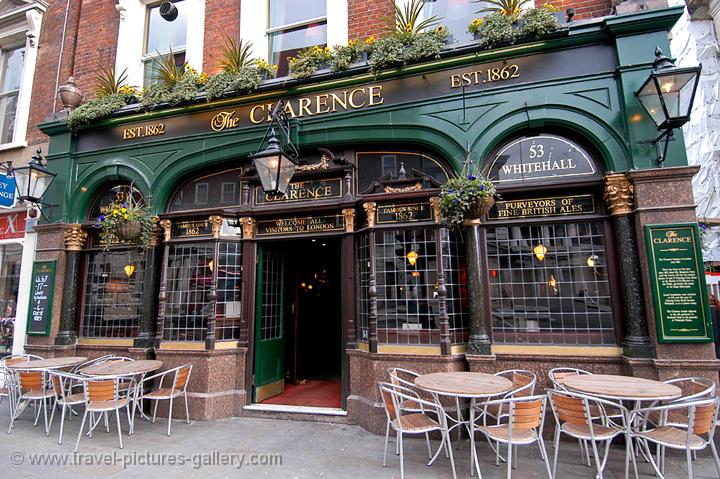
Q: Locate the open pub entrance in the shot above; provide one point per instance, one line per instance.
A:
(298, 335)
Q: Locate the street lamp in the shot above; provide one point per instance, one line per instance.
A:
(667, 97)
(274, 166)
(33, 180)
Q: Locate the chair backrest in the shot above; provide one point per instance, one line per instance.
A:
(527, 412)
(114, 359)
(557, 374)
(703, 415)
(523, 382)
(90, 362)
(31, 380)
(388, 402)
(61, 382)
(18, 358)
(182, 376)
(402, 377)
(693, 387)
(568, 408)
(97, 389)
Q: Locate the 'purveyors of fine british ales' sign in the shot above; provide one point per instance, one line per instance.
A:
(677, 279)
(41, 296)
(540, 207)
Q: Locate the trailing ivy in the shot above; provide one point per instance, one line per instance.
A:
(97, 107)
(245, 80)
(183, 90)
(498, 28)
(539, 22)
(344, 56)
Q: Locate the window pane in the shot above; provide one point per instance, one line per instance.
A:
(113, 295)
(163, 35)
(10, 256)
(559, 297)
(209, 191)
(285, 12)
(12, 68)
(456, 15)
(229, 291)
(150, 67)
(373, 166)
(289, 42)
(8, 109)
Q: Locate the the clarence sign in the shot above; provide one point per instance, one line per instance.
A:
(677, 279)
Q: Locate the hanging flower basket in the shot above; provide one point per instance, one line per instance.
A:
(481, 207)
(466, 197)
(126, 223)
(129, 230)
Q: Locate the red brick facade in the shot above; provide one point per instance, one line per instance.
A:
(222, 20)
(92, 30)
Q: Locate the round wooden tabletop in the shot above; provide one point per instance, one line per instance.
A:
(50, 363)
(621, 387)
(464, 384)
(122, 368)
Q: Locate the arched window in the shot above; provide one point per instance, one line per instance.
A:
(211, 191)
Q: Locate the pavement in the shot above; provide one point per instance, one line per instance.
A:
(268, 448)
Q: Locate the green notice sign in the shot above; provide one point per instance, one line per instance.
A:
(682, 311)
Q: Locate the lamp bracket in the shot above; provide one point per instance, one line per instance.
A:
(666, 135)
(279, 119)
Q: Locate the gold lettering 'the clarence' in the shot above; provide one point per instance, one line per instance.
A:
(321, 104)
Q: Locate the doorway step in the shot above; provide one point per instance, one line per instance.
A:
(296, 413)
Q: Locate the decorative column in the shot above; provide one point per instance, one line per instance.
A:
(443, 318)
(619, 199)
(75, 239)
(370, 209)
(151, 278)
(349, 214)
(166, 226)
(216, 223)
(479, 341)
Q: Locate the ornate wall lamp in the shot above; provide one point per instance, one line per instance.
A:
(667, 97)
(32, 180)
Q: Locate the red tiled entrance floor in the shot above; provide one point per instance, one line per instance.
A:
(313, 392)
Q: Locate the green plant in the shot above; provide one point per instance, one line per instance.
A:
(265, 69)
(407, 19)
(538, 22)
(399, 49)
(97, 107)
(461, 193)
(120, 213)
(244, 80)
(172, 84)
(235, 55)
(107, 82)
(308, 61)
(387, 51)
(504, 7)
(426, 44)
(344, 56)
(497, 28)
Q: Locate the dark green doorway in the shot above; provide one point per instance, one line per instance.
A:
(298, 339)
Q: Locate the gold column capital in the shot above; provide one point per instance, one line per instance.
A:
(166, 226)
(349, 214)
(248, 227)
(370, 208)
(619, 194)
(435, 205)
(75, 237)
(155, 235)
(216, 223)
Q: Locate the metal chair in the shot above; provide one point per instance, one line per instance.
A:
(31, 386)
(181, 378)
(8, 382)
(702, 416)
(574, 416)
(62, 387)
(557, 374)
(525, 420)
(102, 395)
(393, 397)
(524, 383)
(78, 369)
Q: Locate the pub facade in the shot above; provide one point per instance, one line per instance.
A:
(351, 270)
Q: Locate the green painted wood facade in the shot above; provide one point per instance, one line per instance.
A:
(600, 107)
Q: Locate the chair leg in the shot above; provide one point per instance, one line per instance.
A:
(117, 420)
(155, 410)
(650, 458)
(427, 440)
(107, 423)
(556, 444)
(62, 424)
(544, 455)
(446, 439)
(402, 464)
(387, 435)
(170, 410)
(52, 415)
(80, 432)
(187, 411)
(44, 408)
(688, 453)
(597, 459)
(510, 460)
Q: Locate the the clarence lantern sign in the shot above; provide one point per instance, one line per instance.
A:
(682, 311)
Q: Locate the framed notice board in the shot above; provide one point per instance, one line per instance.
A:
(677, 280)
(41, 297)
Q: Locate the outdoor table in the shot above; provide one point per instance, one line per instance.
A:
(621, 388)
(50, 363)
(126, 368)
(468, 385)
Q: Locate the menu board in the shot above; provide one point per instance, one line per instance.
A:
(677, 279)
(41, 297)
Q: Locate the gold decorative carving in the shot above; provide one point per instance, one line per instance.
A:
(404, 189)
(435, 205)
(216, 223)
(324, 164)
(619, 193)
(166, 226)
(370, 209)
(75, 237)
(349, 214)
(248, 227)
(155, 235)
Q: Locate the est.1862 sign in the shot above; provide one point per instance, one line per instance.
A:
(682, 311)
(41, 297)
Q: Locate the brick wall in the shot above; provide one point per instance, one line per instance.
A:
(222, 19)
(96, 42)
(583, 8)
(368, 17)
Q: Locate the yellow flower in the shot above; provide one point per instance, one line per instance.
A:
(115, 211)
(551, 7)
(124, 210)
(275, 67)
(370, 40)
(327, 49)
(440, 28)
(126, 217)
(409, 28)
(516, 11)
(477, 22)
(203, 78)
(503, 11)
(351, 43)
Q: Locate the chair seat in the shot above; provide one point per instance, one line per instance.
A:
(582, 431)
(677, 417)
(107, 405)
(77, 398)
(501, 433)
(672, 436)
(415, 423)
(37, 394)
(162, 393)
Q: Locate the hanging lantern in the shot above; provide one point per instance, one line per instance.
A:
(540, 251)
(412, 257)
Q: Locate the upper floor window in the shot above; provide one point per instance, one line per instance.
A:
(293, 26)
(164, 36)
(456, 15)
(11, 75)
